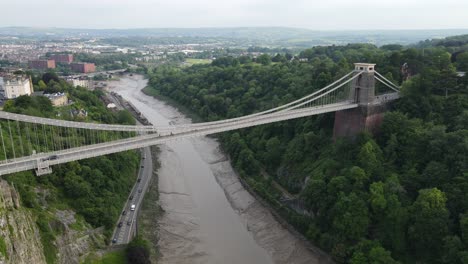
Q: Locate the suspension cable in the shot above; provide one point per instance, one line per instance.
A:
(273, 109)
(28, 134)
(11, 139)
(319, 96)
(384, 83)
(45, 138)
(3, 143)
(20, 137)
(389, 82)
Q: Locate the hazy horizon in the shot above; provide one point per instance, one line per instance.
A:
(233, 27)
(336, 15)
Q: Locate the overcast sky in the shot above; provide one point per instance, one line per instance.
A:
(312, 14)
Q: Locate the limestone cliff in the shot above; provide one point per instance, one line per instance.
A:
(18, 230)
(74, 246)
(20, 239)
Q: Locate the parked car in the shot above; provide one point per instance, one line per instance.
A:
(132, 207)
(129, 222)
(114, 240)
(139, 180)
(120, 224)
(131, 197)
(124, 212)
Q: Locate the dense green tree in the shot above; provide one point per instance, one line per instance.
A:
(264, 59)
(464, 227)
(138, 252)
(273, 151)
(42, 85)
(370, 159)
(50, 76)
(429, 223)
(371, 252)
(462, 61)
(125, 117)
(351, 217)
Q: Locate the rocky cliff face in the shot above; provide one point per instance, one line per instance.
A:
(73, 246)
(18, 230)
(20, 240)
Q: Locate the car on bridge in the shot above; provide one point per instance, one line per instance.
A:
(52, 157)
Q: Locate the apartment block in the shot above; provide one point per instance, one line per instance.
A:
(62, 58)
(42, 64)
(83, 67)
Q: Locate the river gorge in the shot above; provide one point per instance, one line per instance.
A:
(208, 217)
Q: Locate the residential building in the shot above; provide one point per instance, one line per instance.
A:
(62, 58)
(83, 67)
(16, 85)
(81, 82)
(42, 64)
(57, 99)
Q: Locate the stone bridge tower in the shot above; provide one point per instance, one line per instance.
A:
(369, 115)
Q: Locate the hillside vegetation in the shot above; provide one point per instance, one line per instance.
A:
(95, 189)
(399, 196)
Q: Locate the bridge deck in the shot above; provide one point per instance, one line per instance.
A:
(63, 156)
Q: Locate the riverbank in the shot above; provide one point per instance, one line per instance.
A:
(194, 118)
(151, 209)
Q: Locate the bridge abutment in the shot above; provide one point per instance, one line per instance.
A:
(350, 122)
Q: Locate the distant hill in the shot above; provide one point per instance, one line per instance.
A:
(452, 42)
(277, 36)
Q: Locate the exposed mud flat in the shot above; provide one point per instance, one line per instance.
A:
(281, 244)
(209, 216)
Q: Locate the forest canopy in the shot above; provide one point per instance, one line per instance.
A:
(399, 196)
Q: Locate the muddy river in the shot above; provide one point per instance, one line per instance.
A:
(209, 217)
